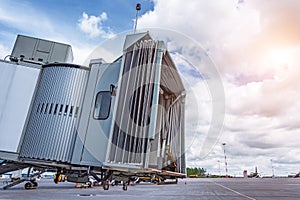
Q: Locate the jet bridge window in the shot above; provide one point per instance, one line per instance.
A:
(102, 105)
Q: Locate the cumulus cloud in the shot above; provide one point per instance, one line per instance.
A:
(9, 11)
(256, 46)
(93, 25)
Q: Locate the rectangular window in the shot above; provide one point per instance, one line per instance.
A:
(42, 109)
(71, 111)
(66, 110)
(50, 110)
(55, 109)
(38, 109)
(76, 111)
(60, 109)
(102, 105)
(46, 108)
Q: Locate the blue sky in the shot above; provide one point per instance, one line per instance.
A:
(121, 12)
(254, 44)
(59, 20)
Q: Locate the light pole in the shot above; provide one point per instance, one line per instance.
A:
(138, 8)
(225, 160)
(272, 168)
(219, 168)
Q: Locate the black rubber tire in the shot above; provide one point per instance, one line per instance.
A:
(125, 187)
(105, 185)
(28, 186)
(34, 184)
(90, 184)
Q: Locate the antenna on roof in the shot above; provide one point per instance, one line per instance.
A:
(138, 8)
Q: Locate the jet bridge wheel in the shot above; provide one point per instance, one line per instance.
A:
(105, 185)
(57, 178)
(31, 185)
(34, 184)
(27, 186)
(125, 187)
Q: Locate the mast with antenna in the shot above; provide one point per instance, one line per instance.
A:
(225, 160)
(138, 8)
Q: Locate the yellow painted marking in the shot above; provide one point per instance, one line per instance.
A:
(243, 195)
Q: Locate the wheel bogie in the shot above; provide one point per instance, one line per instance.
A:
(105, 185)
(125, 187)
(31, 185)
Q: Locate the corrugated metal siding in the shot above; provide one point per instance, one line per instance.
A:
(130, 134)
(52, 126)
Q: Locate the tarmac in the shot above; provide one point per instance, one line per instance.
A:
(205, 188)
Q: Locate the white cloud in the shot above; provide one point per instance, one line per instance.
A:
(24, 17)
(93, 26)
(38, 24)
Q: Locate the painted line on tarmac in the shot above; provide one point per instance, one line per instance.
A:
(243, 195)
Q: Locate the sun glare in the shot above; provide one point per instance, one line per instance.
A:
(280, 57)
(279, 61)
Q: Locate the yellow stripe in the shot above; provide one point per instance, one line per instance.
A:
(235, 191)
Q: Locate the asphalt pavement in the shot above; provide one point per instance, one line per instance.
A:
(219, 189)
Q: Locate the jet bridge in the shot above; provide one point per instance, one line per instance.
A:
(122, 119)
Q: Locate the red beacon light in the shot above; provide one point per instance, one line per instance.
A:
(138, 6)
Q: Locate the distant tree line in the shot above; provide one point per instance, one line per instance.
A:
(198, 172)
